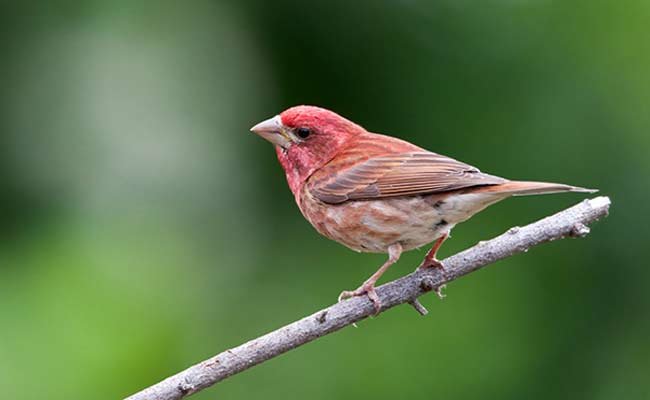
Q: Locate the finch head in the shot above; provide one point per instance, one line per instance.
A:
(306, 138)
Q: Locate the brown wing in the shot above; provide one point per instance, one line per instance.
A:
(410, 173)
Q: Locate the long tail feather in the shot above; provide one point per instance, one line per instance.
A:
(523, 188)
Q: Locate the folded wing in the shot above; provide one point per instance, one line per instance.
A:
(402, 174)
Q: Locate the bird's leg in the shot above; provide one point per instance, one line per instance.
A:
(368, 287)
(430, 260)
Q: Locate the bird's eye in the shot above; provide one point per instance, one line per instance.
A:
(303, 133)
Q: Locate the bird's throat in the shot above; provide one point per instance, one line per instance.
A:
(296, 168)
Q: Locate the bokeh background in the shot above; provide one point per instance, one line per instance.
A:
(144, 228)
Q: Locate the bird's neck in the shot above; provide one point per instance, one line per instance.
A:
(301, 161)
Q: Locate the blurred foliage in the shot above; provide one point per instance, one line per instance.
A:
(144, 228)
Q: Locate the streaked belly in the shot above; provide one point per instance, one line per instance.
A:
(373, 225)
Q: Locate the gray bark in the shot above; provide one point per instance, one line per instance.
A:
(571, 222)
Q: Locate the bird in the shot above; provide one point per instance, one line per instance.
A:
(376, 193)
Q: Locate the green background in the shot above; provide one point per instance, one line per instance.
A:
(144, 228)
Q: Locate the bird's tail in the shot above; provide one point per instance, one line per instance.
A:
(523, 188)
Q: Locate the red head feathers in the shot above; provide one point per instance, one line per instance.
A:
(306, 138)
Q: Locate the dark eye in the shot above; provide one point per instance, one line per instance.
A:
(303, 133)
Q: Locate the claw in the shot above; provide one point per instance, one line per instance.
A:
(435, 263)
(438, 291)
(367, 289)
(346, 294)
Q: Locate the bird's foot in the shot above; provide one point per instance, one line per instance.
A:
(432, 263)
(439, 293)
(366, 288)
(435, 263)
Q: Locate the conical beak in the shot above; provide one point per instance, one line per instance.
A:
(273, 131)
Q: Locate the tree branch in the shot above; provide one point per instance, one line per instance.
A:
(571, 222)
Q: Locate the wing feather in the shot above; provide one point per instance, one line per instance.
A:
(409, 173)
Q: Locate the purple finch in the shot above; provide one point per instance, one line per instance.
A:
(378, 194)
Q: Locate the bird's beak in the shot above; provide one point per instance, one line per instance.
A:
(274, 131)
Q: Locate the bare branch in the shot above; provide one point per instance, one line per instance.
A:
(571, 222)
